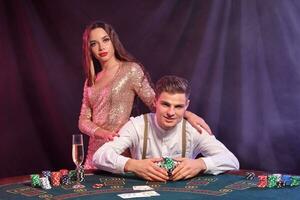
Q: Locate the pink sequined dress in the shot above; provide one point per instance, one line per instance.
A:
(110, 107)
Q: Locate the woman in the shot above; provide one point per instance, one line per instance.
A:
(114, 77)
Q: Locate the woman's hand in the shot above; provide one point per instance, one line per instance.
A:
(197, 122)
(105, 135)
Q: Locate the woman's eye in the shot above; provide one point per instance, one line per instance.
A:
(92, 44)
(106, 39)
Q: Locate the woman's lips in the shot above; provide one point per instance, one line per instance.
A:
(103, 54)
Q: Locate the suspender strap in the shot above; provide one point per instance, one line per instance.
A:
(183, 138)
(145, 136)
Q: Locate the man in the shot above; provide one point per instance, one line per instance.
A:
(165, 134)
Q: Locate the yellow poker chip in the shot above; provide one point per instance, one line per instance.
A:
(98, 185)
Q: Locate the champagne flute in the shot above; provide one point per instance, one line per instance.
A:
(77, 152)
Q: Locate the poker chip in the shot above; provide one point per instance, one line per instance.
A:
(64, 172)
(278, 180)
(272, 181)
(262, 181)
(287, 180)
(169, 164)
(78, 186)
(65, 180)
(73, 175)
(55, 178)
(280, 184)
(45, 183)
(81, 175)
(46, 173)
(98, 185)
(35, 180)
(250, 175)
(295, 181)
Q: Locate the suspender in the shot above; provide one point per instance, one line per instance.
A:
(146, 136)
(183, 138)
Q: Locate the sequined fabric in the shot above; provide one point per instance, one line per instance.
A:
(110, 107)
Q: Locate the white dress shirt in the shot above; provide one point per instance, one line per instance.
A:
(162, 143)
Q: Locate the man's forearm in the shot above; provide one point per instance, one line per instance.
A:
(107, 159)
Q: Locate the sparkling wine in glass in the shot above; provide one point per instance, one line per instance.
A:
(77, 152)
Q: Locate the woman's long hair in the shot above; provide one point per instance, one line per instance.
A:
(91, 64)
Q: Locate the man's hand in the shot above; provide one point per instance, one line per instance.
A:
(147, 169)
(188, 168)
(197, 122)
(105, 135)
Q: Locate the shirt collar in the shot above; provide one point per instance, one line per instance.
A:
(163, 131)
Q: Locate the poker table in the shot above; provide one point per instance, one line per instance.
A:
(230, 185)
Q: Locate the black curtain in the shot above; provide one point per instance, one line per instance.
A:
(241, 58)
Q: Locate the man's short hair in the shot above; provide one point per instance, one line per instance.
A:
(172, 84)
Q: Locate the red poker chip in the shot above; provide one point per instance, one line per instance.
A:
(64, 171)
(78, 186)
(98, 185)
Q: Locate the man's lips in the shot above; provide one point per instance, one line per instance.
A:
(168, 119)
(103, 54)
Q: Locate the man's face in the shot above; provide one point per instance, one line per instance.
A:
(170, 109)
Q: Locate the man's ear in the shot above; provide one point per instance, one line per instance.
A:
(187, 104)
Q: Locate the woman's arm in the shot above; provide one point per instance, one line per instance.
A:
(143, 89)
(85, 123)
(141, 86)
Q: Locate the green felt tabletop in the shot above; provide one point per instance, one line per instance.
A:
(224, 186)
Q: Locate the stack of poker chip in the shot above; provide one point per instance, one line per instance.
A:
(295, 181)
(64, 172)
(250, 175)
(272, 181)
(72, 175)
(65, 179)
(278, 180)
(287, 180)
(169, 164)
(35, 180)
(46, 173)
(80, 173)
(55, 178)
(262, 181)
(45, 183)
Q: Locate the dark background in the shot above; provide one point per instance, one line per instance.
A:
(241, 57)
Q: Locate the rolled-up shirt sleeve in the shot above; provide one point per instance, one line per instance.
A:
(216, 156)
(108, 157)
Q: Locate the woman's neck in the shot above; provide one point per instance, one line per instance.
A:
(110, 64)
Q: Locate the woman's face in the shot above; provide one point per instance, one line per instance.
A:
(101, 45)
